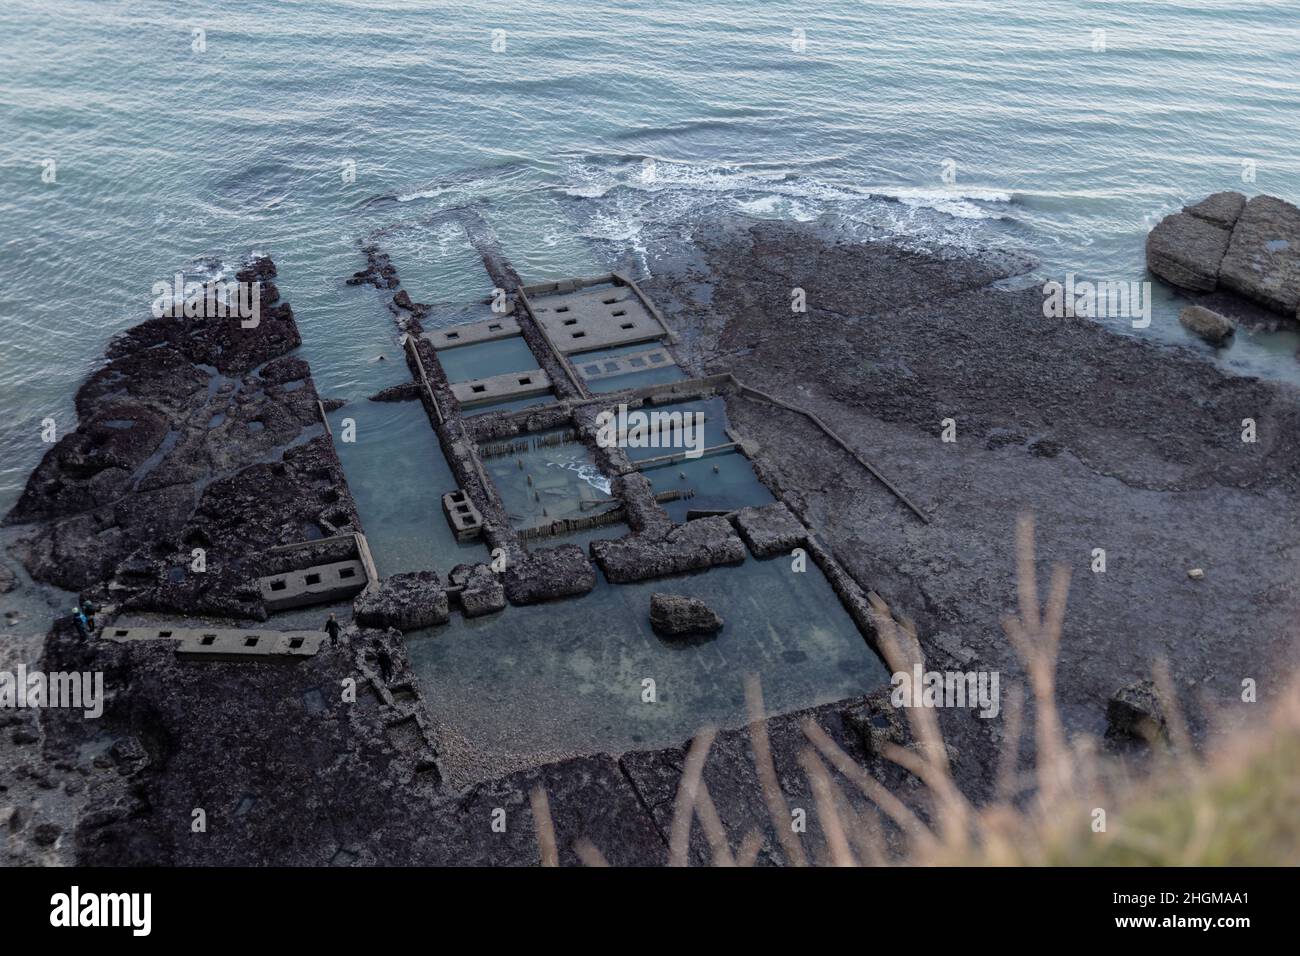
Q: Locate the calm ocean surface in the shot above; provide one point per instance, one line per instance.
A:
(165, 153)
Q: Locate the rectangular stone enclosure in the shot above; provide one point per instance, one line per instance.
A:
(584, 315)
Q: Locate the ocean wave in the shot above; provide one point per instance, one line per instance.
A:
(760, 191)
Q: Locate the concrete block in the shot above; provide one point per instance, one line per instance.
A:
(500, 388)
(471, 333)
(465, 520)
(319, 584)
(596, 317)
(642, 361)
(225, 643)
(770, 530)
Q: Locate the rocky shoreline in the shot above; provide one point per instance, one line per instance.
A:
(1237, 258)
(199, 436)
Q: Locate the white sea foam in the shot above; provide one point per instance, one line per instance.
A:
(777, 192)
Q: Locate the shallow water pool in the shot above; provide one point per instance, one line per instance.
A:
(570, 676)
(398, 475)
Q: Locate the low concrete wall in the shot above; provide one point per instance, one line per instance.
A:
(497, 388)
(319, 584)
(224, 643)
(471, 333)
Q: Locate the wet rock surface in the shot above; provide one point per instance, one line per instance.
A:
(1147, 461)
(407, 601)
(1256, 273)
(406, 392)
(1186, 251)
(481, 589)
(268, 775)
(770, 530)
(1220, 209)
(690, 547)
(197, 434)
(549, 573)
(286, 766)
(1263, 260)
(676, 615)
(1155, 472)
(1208, 324)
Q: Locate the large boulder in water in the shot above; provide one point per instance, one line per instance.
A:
(676, 615)
(1186, 251)
(1262, 262)
(406, 601)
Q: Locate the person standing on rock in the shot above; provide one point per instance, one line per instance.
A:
(80, 620)
(332, 628)
(88, 609)
(385, 661)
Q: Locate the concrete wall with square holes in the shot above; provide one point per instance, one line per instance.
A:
(597, 317)
(502, 387)
(471, 333)
(464, 518)
(625, 364)
(319, 584)
(224, 643)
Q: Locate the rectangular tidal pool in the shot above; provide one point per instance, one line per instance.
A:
(721, 481)
(397, 475)
(549, 482)
(533, 684)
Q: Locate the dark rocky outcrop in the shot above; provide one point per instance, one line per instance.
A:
(690, 547)
(677, 615)
(770, 530)
(406, 392)
(171, 457)
(481, 589)
(407, 602)
(888, 349)
(1208, 324)
(1186, 251)
(379, 271)
(1135, 712)
(548, 573)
